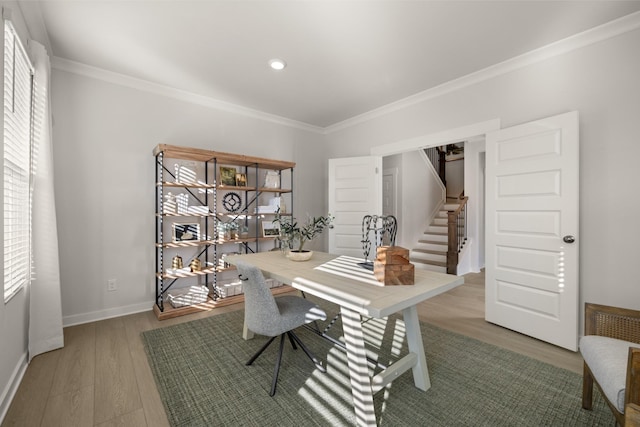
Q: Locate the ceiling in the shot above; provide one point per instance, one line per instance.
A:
(345, 58)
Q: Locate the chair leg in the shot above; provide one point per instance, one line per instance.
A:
(308, 353)
(587, 388)
(292, 341)
(276, 370)
(259, 352)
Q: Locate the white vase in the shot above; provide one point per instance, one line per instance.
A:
(299, 255)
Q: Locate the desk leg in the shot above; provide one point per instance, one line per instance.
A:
(358, 368)
(414, 340)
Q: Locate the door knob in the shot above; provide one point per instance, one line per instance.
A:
(568, 239)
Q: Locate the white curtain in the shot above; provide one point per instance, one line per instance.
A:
(45, 313)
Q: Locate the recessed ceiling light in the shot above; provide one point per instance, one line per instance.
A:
(277, 64)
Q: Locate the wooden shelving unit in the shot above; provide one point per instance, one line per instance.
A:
(203, 186)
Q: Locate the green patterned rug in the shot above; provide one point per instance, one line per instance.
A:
(200, 372)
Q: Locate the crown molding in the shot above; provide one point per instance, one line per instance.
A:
(594, 35)
(69, 66)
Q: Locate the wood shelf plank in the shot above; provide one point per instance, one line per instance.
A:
(173, 184)
(202, 272)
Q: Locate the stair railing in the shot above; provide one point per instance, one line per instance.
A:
(437, 157)
(457, 230)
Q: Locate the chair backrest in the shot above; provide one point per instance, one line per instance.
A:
(612, 322)
(262, 315)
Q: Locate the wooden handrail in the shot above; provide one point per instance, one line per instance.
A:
(457, 234)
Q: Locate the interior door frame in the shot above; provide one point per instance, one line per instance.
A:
(475, 133)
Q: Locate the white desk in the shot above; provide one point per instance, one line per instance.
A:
(358, 293)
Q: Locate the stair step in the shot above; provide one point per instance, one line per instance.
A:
(440, 221)
(436, 232)
(430, 266)
(436, 237)
(437, 228)
(430, 251)
(429, 257)
(432, 242)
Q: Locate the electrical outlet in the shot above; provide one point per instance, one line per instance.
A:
(112, 285)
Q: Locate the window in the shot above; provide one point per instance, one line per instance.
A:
(16, 163)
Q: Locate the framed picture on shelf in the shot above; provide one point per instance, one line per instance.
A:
(227, 176)
(186, 232)
(269, 229)
(241, 179)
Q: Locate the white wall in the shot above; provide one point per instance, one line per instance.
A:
(454, 171)
(103, 139)
(601, 82)
(421, 194)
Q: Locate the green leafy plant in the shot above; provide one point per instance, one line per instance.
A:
(293, 234)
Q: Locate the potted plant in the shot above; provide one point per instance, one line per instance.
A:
(294, 236)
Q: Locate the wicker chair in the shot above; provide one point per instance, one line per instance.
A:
(611, 352)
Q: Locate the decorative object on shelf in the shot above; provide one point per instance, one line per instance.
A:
(198, 210)
(241, 180)
(227, 176)
(233, 229)
(270, 229)
(195, 265)
(392, 266)
(244, 232)
(186, 232)
(388, 225)
(272, 179)
(189, 296)
(296, 236)
(275, 204)
(182, 201)
(170, 205)
(176, 262)
(185, 173)
(278, 203)
(232, 202)
(222, 263)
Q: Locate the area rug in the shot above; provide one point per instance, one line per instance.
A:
(200, 371)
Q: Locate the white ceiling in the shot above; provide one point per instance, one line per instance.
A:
(345, 58)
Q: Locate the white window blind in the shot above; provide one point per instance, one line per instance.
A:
(16, 162)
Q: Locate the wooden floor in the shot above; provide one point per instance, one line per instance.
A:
(101, 377)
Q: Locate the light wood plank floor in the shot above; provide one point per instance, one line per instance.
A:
(101, 377)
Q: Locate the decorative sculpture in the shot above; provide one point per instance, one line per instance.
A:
(387, 225)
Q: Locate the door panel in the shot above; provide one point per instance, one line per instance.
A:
(355, 190)
(531, 203)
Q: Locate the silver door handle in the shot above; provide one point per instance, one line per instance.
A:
(568, 239)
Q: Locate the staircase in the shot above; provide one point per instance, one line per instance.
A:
(431, 251)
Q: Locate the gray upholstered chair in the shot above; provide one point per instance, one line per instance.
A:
(611, 353)
(273, 317)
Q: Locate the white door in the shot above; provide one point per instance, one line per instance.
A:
(389, 197)
(532, 229)
(355, 190)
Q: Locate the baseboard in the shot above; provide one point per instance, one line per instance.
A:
(94, 316)
(12, 386)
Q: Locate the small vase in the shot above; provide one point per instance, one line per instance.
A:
(300, 255)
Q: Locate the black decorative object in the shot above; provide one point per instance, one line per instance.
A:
(232, 202)
(388, 225)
